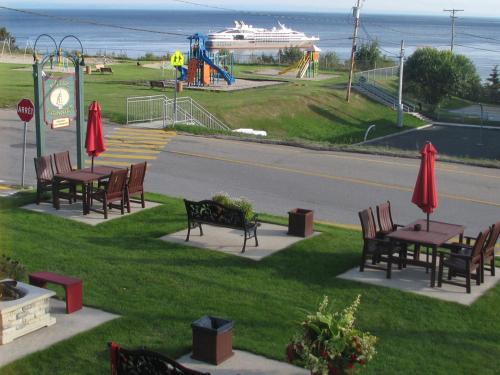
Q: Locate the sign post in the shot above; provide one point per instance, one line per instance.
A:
(25, 111)
(177, 60)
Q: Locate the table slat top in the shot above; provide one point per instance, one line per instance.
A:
(86, 175)
(55, 278)
(438, 233)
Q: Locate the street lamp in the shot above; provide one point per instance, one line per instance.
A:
(481, 126)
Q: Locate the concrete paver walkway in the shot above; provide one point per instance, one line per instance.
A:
(415, 280)
(74, 211)
(67, 325)
(244, 363)
(272, 238)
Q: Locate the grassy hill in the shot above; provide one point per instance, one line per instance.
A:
(308, 110)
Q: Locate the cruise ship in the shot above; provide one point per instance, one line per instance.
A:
(243, 36)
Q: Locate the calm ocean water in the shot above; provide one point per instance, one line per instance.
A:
(478, 38)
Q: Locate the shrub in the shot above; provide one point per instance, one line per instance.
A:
(11, 269)
(328, 343)
(242, 203)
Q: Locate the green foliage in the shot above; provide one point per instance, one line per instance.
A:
(330, 61)
(290, 56)
(11, 269)
(242, 203)
(493, 85)
(328, 342)
(432, 75)
(149, 56)
(6, 35)
(368, 56)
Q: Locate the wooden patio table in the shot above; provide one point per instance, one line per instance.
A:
(84, 177)
(438, 234)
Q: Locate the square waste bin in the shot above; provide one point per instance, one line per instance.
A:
(300, 222)
(212, 339)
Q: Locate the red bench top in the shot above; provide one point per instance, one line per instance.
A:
(55, 278)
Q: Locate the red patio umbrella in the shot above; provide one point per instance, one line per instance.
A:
(94, 142)
(425, 192)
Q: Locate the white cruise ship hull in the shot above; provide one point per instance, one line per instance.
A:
(251, 44)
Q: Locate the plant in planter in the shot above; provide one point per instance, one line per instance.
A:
(240, 203)
(329, 344)
(11, 269)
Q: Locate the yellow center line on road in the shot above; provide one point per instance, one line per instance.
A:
(109, 162)
(147, 132)
(135, 145)
(141, 136)
(449, 168)
(137, 138)
(137, 141)
(125, 156)
(357, 181)
(137, 150)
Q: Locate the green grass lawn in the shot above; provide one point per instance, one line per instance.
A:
(306, 110)
(160, 288)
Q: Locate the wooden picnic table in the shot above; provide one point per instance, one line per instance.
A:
(438, 234)
(85, 177)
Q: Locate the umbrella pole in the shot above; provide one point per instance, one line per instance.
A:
(92, 170)
(427, 216)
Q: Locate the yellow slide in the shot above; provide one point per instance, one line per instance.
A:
(294, 66)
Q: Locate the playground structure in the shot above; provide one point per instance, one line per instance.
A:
(206, 68)
(307, 66)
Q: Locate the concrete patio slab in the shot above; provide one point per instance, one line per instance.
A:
(244, 363)
(272, 238)
(74, 211)
(67, 325)
(415, 280)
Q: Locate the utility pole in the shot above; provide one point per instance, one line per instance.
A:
(400, 93)
(355, 11)
(453, 18)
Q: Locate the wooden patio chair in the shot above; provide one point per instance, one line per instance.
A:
(379, 249)
(135, 184)
(464, 261)
(144, 362)
(44, 179)
(62, 162)
(114, 190)
(489, 250)
(386, 225)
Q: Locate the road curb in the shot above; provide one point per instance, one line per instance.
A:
(456, 125)
(393, 135)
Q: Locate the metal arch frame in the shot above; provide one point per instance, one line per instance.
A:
(78, 64)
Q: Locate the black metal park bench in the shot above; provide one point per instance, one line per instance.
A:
(213, 213)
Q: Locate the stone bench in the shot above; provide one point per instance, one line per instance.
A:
(213, 213)
(73, 287)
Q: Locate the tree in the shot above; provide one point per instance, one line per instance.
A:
(493, 85)
(432, 75)
(367, 55)
(290, 55)
(6, 35)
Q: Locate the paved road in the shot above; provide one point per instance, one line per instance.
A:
(450, 140)
(277, 178)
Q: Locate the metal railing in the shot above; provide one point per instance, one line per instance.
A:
(382, 96)
(379, 74)
(160, 108)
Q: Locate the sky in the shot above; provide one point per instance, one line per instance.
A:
(481, 8)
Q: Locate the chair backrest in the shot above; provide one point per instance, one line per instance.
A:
(136, 179)
(212, 212)
(43, 168)
(368, 224)
(116, 184)
(478, 246)
(142, 361)
(62, 162)
(489, 247)
(384, 218)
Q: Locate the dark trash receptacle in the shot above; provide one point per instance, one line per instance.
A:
(212, 339)
(300, 222)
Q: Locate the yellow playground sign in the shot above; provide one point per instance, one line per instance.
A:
(177, 59)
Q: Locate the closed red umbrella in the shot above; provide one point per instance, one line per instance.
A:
(425, 192)
(94, 142)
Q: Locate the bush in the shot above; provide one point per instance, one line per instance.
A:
(11, 269)
(290, 56)
(242, 204)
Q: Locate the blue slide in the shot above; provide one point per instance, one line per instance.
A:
(228, 77)
(184, 73)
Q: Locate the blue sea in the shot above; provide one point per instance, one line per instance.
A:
(477, 38)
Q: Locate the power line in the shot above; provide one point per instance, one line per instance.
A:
(480, 36)
(88, 22)
(478, 48)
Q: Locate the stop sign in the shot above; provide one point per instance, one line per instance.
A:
(25, 110)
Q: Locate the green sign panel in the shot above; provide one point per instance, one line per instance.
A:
(59, 103)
